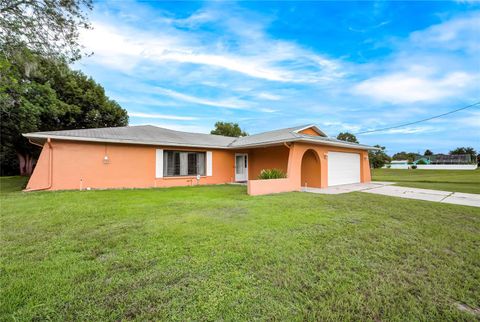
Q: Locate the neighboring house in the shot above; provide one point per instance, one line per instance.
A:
(150, 156)
(421, 160)
(398, 164)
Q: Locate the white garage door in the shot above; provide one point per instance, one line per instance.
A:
(343, 168)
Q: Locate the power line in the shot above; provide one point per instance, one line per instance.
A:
(419, 121)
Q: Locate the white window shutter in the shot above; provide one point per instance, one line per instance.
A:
(159, 164)
(209, 163)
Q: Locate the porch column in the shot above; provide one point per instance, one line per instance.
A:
(294, 166)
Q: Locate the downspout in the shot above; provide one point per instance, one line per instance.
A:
(50, 165)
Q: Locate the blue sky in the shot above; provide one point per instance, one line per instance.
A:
(345, 66)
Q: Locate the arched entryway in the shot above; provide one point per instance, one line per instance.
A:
(310, 170)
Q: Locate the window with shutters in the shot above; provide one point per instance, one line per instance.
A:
(181, 163)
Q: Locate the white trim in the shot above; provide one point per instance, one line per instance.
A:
(279, 142)
(229, 147)
(209, 162)
(446, 166)
(123, 141)
(245, 155)
(159, 163)
(309, 127)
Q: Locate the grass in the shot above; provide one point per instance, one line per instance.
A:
(449, 180)
(12, 184)
(214, 253)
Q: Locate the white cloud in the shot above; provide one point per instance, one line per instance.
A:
(342, 126)
(410, 87)
(456, 34)
(472, 121)
(255, 54)
(267, 110)
(410, 130)
(226, 103)
(162, 116)
(431, 65)
(179, 127)
(269, 96)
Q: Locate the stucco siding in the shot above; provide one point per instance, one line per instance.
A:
(81, 165)
(267, 158)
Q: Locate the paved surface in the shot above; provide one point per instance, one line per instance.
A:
(386, 189)
(335, 190)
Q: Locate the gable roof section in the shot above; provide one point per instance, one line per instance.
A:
(141, 134)
(311, 127)
(153, 135)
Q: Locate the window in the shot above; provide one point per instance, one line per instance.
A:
(179, 163)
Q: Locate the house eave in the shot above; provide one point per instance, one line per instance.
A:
(120, 141)
(176, 144)
(316, 129)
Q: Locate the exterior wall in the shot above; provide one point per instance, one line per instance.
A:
(264, 187)
(310, 131)
(295, 161)
(293, 181)
(267, 158)
(311, 171)
(80, 165)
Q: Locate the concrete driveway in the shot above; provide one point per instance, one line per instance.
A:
(387, 189)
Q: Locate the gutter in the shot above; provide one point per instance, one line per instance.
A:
(228, 147)
(301, 139)
(50, 165)
(85, 139)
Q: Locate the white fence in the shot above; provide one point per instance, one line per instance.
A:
(434, 166)
(447, 166)
(398, 166)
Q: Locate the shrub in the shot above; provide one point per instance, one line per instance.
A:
(421, 161)
(414, 166)
(389, 166)
(271, 174)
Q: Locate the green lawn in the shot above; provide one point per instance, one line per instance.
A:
(214, 253)
(448, 180)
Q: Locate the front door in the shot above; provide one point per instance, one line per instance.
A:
(241, 167)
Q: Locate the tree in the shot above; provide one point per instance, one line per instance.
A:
(427, 152)
(378, 158)
(346, 136)
(228, 129)
(42, 94)
(49, 28)
(409, 156)
(465, 150)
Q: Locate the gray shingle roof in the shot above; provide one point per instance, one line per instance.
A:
(153, 135)
(143, 134)
(287, 134)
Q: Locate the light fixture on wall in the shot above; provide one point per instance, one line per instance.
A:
(106, 160)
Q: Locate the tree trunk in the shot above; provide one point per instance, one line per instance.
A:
(25, 163)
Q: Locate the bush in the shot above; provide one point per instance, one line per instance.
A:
(271, 174)
(421, 161)
(389, 166)
(413, 166)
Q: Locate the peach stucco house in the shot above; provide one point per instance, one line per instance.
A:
(150, 156)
